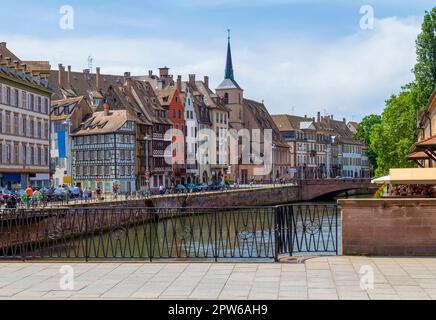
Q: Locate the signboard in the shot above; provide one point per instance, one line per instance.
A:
(67, 180)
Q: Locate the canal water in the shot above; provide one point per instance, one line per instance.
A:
(240, 234)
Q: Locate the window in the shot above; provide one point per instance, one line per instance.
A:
(24, 99)
(31, 128)
(16, 98)
(38, 105)
(226, 98)
(8, 153)
(31, 102)
(46, 106)
(39, 129)
(8, 95)
(16, 127)
(8, 123)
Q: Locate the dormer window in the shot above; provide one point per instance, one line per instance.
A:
(96, 102)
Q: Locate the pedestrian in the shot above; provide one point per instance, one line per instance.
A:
(85, 194)
(98, 192)
(90, 193)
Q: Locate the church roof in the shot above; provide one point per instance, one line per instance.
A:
(229, 84)
(229, 78)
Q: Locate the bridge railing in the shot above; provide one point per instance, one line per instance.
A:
(172, 233)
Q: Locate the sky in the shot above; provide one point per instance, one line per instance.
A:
(298, 56)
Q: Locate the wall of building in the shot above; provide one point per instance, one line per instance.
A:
(393, 227)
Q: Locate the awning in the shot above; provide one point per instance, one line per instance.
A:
(429, 143)
(381, 180)
(413, 176)
(408, 176)
(418, 155)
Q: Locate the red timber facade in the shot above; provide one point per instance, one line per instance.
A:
(172, 103)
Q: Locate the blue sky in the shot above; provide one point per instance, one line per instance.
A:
(300, 56)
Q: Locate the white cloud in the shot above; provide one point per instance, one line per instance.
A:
(349, 76)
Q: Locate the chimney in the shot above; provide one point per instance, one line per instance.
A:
(179, 83)
(206, 81)
(192, 79)
(60, 75)
(150, 73)
(127, 79)
(331, 117)
(305, 116)
(97, 78)
(163, 72)
(319, 116)
(69, 75)
(344, 120)
(3, 44)
(106, 109)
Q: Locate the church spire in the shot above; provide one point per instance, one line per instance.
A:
(229, 64)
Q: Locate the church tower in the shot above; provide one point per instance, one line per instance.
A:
(230, 91)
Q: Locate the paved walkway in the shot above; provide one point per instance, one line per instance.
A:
(318, 278)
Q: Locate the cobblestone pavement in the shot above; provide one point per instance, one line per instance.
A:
(317, 278)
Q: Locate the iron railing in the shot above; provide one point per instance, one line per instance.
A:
(170, 233)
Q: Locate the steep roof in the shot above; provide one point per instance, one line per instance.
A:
(341, 130)
(113, 88)
(264, 120)
(166, 95)
(285, 122)
(210, 98)
(99, 123)
(61, 109)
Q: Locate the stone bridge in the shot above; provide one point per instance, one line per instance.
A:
(257, 196)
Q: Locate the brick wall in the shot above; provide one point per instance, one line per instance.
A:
(395, 227)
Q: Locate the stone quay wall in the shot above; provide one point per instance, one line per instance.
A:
(389, 227)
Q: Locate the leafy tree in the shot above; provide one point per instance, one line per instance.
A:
(363, 134)
(392, 138)
(425, 68)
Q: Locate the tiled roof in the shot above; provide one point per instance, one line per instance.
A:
(111, 87)
(426, 143)
(210, 99)
(264, 119)
(419, 155)
(286, 122)
(99, 123)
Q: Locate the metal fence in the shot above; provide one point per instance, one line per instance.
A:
(172, 233)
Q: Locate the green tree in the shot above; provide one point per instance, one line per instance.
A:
(425, 68)
(363, 134)
(392, 138)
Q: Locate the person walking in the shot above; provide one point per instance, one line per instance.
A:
(98, 192)
(85, 194)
